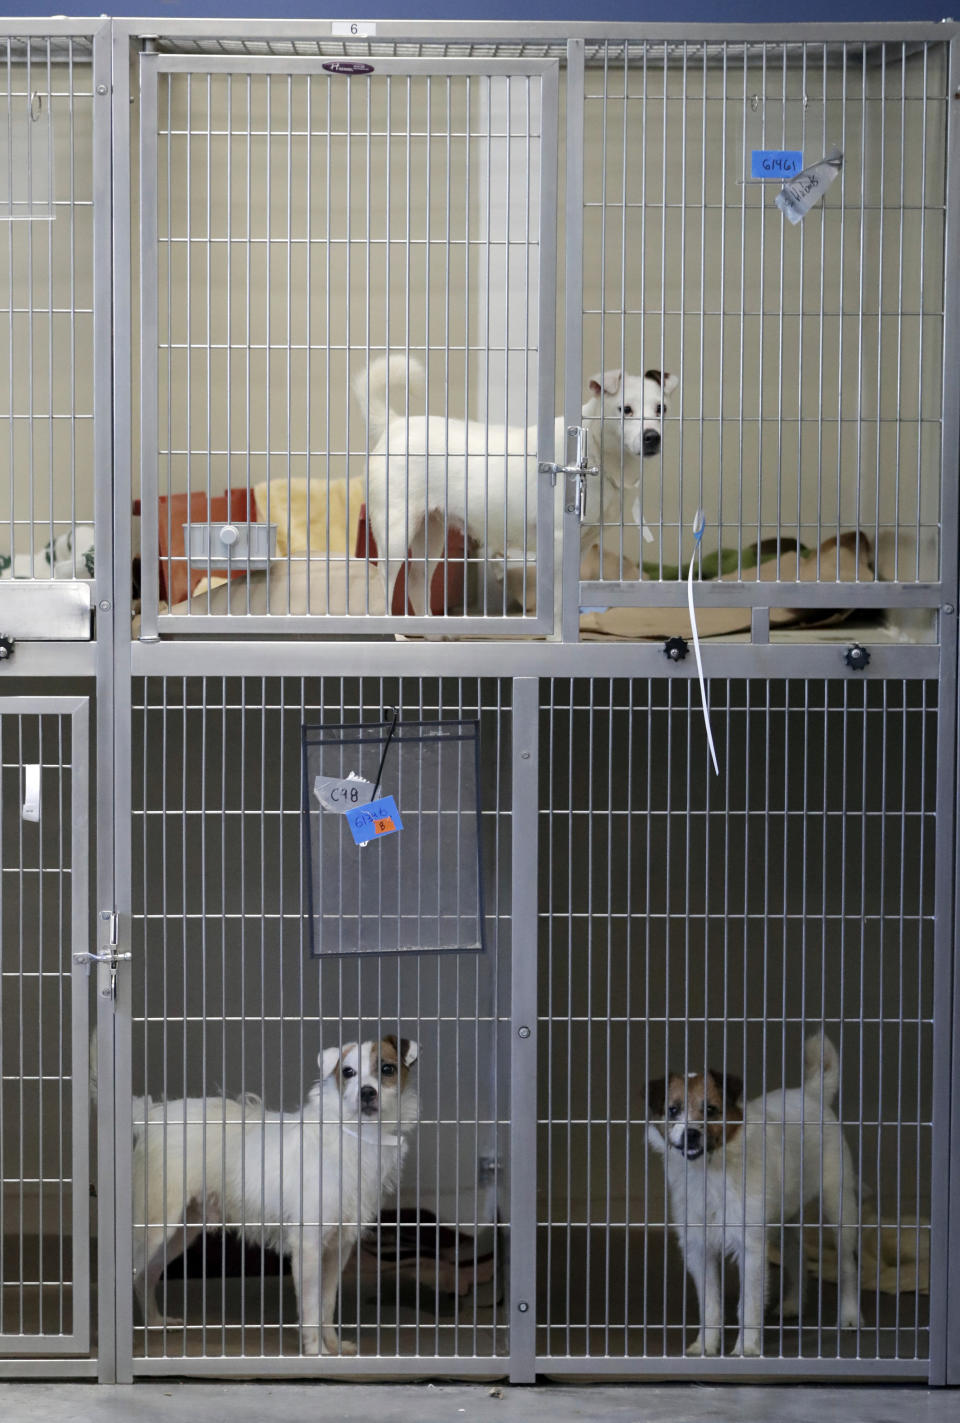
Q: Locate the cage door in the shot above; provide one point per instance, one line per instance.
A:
(44, 1155)
(348, 313)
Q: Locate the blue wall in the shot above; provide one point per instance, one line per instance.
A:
(855, 11)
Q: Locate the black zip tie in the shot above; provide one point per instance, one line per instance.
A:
(393, 727)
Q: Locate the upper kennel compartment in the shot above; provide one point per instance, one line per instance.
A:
(809, 421)
(347, 298)
(55, 403)
(352, 416)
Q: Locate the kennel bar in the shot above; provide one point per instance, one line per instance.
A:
(948, 1186)
(548, 659)
(44, 1115)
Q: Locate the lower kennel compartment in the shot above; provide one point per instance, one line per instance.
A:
(45, 1249)
(736, 1024)
(233, 1014)
(736, 992)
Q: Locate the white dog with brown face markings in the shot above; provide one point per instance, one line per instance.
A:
(302, 1183)
(735, 1173)
(482, 479)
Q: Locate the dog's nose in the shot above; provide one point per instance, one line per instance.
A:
(651, 442)
(692, 1139)
(368, 1096)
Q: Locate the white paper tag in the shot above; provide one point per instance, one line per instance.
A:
(31, 792)
(354, 29)
(342, 793)
(797, 197)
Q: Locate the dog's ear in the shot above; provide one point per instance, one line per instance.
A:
(732, 1088)
(328, 1060)
(606, 383)
(405, 1048)
(657, 1097)
(667, 382)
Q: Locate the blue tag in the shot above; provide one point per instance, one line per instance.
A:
(775, 163)
(374, 820)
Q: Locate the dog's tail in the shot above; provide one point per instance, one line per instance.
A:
(822, 1069)
(389, 384)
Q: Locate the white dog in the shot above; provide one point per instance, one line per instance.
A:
(734, 1174)
(483, 479)
(302, 1183)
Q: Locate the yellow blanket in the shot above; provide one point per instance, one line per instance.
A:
(333, 516)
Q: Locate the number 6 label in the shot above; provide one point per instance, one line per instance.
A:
(354, 29)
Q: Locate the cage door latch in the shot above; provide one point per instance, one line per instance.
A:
(108, 958)
(574, 474)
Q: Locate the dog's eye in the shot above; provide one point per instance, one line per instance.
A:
(674, 1110)
(712, 1111)
(388, 1070)
(628, 409)
(659, 410)
(349, 1072)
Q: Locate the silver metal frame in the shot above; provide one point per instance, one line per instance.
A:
(116, 661)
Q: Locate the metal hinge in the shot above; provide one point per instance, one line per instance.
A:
(574, 473)
(108, 957)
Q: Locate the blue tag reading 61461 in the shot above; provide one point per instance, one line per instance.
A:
(374, 820)
(775, 163)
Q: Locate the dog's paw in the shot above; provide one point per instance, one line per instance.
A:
(333, 1344)
(748, 1346)
(850, 1317)
(310, 1341)
(704, 1344)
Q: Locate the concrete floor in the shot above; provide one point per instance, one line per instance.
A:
(474, 1403)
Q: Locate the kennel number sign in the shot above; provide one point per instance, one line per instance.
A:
(374, 820)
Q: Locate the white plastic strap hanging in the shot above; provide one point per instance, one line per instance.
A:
(31, 792)
(699, 524)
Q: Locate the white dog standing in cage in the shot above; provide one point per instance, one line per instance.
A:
(734, 1174)
(483, 478)
(302, 1183)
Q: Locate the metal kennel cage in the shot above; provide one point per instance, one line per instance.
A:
(257, 211)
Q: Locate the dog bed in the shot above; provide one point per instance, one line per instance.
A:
(845, 559)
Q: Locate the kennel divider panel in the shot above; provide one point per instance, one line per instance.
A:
(525, 269)
(44, 998)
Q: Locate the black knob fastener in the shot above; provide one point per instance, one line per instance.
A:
(856, 657)
(7, 645)
(676, 648)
